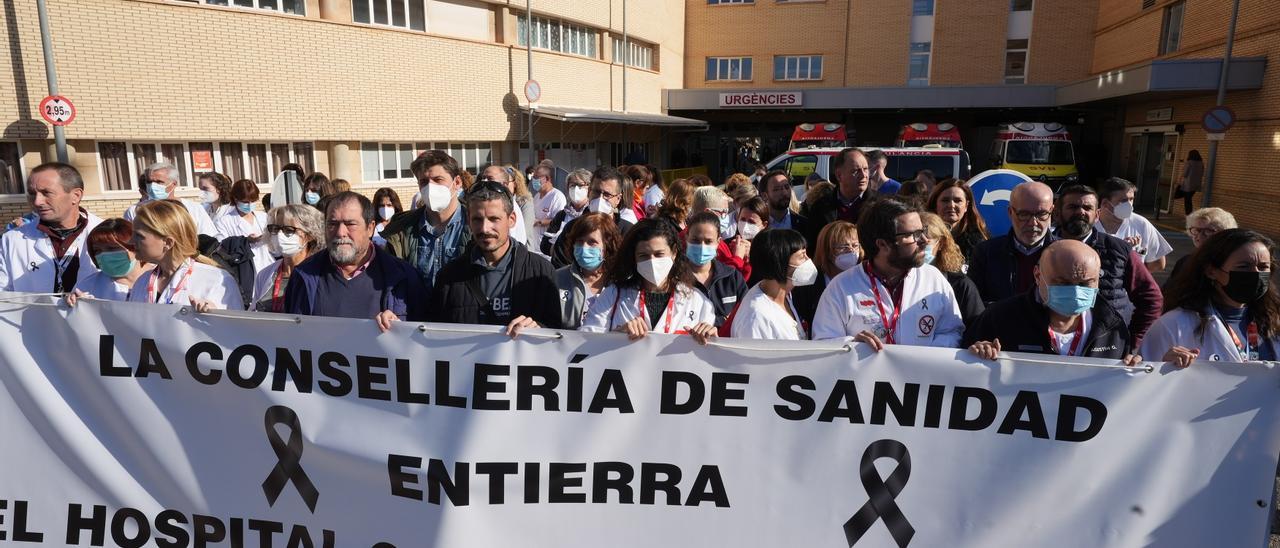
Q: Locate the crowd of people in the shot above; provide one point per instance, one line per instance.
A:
(621, 250)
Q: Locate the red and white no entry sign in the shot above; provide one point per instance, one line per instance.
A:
(57, 110)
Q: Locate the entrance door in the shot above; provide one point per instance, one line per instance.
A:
(1147, 167)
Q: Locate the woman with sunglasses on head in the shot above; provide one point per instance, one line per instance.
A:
(651, 289)
(294, 233)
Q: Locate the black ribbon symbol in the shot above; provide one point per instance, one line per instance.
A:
(882, 493)
(289, 467)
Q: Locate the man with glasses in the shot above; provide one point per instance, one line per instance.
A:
(435, 231)
(1125, 283)
(893, 297)
(604, 196)
(1004, 266)
(498, 282)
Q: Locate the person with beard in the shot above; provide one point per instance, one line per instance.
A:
(352, 278)
(893, 297)
(1125, 282)
(498, 281)
(1221, 306)
(777, 191)
(1003, 266)
(1061, 315)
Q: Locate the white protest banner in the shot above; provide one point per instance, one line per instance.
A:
(143, 425)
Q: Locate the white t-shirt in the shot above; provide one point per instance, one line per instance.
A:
(104, 287)
(1151, 246)
(199, 215)
(518, 232)
(1062, 341)
(546, 207)
(759, 317)
(205, 282)
(652, 197)
(235, 225)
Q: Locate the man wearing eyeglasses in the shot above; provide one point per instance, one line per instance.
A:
(893, 297)
(497, 281)
(604, 196)
(1004, 266)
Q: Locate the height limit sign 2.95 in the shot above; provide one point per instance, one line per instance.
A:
(57, 110)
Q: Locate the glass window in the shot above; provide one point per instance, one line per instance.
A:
(1171, 29)
(360, 11)
(389, 170)
(398, 14)
(370, 167)
(406, 158)
(10, 169)
(259, 169)
(1039, 152)
(304, 155)
(279, 157)
(714, 2)
(144, 154)
(232, 155)
(380, 15)
(922, 7)
(797, 67)
(1015, 62)
(1020, 5)
(115, 166)
(729, 68)
(176, 154)
(918, 69)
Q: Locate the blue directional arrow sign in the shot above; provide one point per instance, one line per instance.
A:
(991, 190)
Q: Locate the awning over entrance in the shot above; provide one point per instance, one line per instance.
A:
(566, 114)
(1171, 76)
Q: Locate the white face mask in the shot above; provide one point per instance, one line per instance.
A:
(600, 205)
(1123, 210)
(284, 245)
(845, 261)
(208, 196)
(386, 212)
(655, 270)
(577, 194)
(805, 274)
(438, 197)
(748, 230)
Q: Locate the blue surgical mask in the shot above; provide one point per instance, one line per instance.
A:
(157, 191)
(928, 254)
(700, 254)
(588, 257)
(535, 186)
(312, 198)
(244, 207)
(1070, 300)
(115, 264)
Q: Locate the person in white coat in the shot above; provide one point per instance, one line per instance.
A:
(111, 246)
(1221, 306)
(651, 289)
(892, 297)
(161, 180)
(49, 256)
(164, 235)
(294, 233)
(779, 263)
(245, 221)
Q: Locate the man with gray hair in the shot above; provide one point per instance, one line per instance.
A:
(49, 256)
(498, 282)
(160, 182)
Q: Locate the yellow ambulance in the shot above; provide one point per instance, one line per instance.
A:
(1042, 151)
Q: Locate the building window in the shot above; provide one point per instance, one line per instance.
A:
(728, 69)
(11, 169)
(1015, 62)
(797, 67)
(115, 166)
(715, 2)
(922, 7)
(296, 7)
(1020, 5)
(639, 55)
(1171, 30)
(122, 163)
(382, 162)
(405, 14)
(556, 35)
(918, 70)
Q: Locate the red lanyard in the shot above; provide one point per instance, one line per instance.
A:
(1075, 343)
(1251, 337)
(671, 303)
(277, 300)
(890, 322)
(182, 283)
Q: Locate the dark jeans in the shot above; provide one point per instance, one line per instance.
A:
(1187, 197)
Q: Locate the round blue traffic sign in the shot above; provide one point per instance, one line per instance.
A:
(1218, 120)
(991, 190)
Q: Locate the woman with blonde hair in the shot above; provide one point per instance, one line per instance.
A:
(942, 252)
(677, 204)
(837, 250)
(165, 235)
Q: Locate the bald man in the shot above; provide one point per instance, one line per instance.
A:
(1061, 314)
(1002, 266)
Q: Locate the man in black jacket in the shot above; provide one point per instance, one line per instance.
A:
(1002, 266)
(852, 176)
(496, 281)
(1060, 315)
